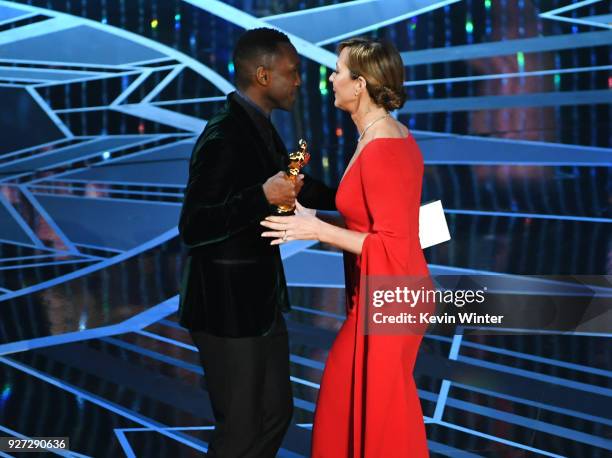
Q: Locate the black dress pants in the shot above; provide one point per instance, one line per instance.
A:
(250, 392)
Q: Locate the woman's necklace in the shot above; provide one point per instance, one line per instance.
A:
(370, 125)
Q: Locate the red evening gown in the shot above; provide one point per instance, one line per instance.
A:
(368, 405)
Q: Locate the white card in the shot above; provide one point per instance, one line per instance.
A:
(432, 225)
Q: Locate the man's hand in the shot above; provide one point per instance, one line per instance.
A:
(280, 190)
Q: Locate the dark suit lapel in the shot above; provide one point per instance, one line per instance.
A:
(281, 150)
(267, 158)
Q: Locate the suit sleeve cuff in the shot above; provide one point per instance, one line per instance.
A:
(257, 202)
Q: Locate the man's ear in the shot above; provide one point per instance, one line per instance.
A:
(262, 75)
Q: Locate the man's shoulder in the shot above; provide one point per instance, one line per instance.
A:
(220, 125)
(225, 131)
(225, 125)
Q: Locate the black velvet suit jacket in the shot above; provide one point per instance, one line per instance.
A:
(233, 282)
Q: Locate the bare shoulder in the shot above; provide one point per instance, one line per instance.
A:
(391, 128)
(405, 131)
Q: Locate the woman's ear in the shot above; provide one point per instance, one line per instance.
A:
(361, 84)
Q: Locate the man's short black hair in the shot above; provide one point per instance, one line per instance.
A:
(251, 49)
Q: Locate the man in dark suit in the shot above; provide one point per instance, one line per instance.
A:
(234, 289)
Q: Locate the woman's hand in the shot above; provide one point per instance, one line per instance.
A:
(299, 210)
(304, 225)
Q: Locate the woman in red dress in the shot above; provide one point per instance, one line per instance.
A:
(368, 404)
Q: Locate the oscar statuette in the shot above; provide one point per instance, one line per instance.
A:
(297, 161)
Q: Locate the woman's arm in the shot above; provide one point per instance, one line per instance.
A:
(331, 217)
(304, 225)
(345, 239)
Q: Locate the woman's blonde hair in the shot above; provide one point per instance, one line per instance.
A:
(381, 66)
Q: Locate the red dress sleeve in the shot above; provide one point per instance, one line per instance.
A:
(391, 175)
